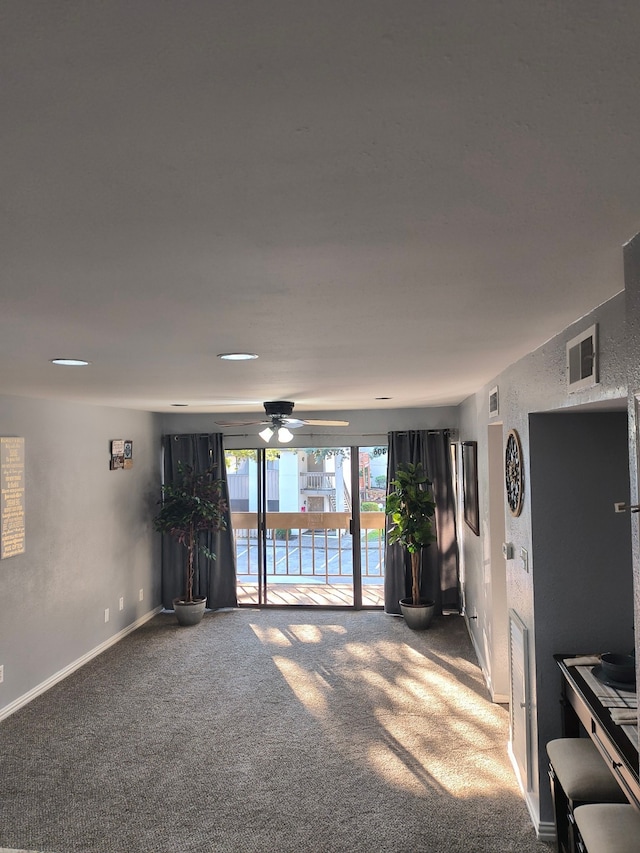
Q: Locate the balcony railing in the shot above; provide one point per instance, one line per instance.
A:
(317, 481)
(310, 545)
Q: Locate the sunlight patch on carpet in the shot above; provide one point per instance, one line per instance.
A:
(307, 687)
(271, 636)
(303, 633)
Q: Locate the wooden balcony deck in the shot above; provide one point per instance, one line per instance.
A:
(313, 545)
(311, 595)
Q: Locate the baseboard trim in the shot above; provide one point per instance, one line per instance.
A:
(545, 830)
(23, 700)
(497, 698)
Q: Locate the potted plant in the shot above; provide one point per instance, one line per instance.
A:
(410, 507)
(191, 505)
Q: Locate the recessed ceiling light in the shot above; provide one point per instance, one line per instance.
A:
(70, 362)
(237, 356)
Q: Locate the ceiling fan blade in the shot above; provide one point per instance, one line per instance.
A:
(325, 423)
(279, 413)
(240, 423)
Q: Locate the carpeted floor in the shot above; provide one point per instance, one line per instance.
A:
(267, 732)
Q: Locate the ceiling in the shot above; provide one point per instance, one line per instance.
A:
(381, 198)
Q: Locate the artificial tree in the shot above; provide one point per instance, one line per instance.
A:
(410, 507)
(191, 505)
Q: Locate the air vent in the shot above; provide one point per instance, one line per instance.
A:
(582, 360)
(520, 702)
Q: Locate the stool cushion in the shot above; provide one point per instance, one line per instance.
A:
(582, 771)
(609, 828)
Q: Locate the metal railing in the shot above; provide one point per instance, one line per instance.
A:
(308, 545)
(317, 481)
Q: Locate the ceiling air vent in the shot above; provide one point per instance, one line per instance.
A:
(582, 360)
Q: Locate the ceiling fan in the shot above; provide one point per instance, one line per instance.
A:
(279, 421)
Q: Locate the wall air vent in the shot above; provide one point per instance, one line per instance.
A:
(582, 360)
(520, 700)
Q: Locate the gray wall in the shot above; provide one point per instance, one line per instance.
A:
(632, 295)
(89, 539)
(535, 384)
(583, 583)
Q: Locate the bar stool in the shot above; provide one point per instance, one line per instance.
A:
(579, 775)
(607, 828)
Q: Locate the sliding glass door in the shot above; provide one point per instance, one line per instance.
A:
(308, 526)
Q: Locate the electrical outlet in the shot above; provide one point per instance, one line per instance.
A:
(1, 673)
(106, 614)
(121, 604)
(141, 595)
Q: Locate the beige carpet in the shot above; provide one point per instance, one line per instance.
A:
(267, 732)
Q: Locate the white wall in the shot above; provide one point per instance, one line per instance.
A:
(89, 539)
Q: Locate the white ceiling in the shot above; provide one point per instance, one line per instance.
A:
(382, 198)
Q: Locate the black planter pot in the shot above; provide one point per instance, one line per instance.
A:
(189, 612)
(417, 616)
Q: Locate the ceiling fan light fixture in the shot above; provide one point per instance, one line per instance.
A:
(266, 433)
(237, 356)
(284, 435)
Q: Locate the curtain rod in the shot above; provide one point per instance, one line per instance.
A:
(180, 435)
(357, 435)
(446, 430)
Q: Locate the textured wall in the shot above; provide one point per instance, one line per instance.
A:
(88, 537)
(632, 293)
(536, 383)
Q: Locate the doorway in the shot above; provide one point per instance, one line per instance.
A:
(308, 525)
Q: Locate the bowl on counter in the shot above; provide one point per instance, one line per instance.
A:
(618, 667)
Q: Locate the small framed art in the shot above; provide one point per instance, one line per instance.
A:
(470, 485)
(494, 402)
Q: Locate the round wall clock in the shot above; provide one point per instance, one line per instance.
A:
(513, 473)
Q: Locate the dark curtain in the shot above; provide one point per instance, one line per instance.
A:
(213, 579)
(439, 561)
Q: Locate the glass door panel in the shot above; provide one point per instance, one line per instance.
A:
(242, 476)
(309, 545)
(372, 484)
(292, 517)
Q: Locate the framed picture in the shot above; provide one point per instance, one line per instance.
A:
(582, 360)
(121, 454)
(494, 402)
(117, 454)
(128, 453)
(470, 485)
